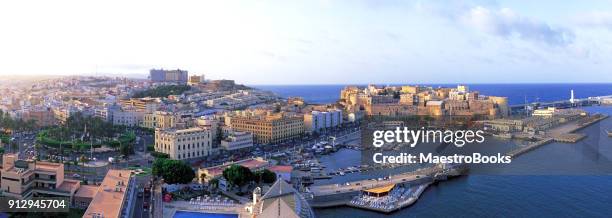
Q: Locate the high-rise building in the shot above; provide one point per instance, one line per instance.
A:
(161, 75)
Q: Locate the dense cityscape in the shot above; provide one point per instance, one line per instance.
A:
(176, 144)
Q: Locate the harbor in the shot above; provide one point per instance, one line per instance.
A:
(404, 189)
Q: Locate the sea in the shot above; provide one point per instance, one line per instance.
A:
(584, 191)
(516, 93)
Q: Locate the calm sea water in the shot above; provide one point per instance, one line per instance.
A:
(516, 93)
(587, 194)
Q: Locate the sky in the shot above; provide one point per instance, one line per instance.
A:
(313, 41)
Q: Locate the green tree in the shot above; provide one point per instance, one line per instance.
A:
(162, 91)
(238, 175)
(265, 176)
(173, 171)
(158, 166)
(126, 149)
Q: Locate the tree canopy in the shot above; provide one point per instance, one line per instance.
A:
(162, 91)
(265, 176)
(8, 123)
(238, 175)
(173, 171)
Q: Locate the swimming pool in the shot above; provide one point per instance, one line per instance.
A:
(189, 214)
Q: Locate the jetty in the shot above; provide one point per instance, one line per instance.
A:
(383, 195)
(392, 199)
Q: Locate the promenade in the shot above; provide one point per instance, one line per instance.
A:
(331, 189)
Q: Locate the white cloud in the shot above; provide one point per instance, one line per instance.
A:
(595, 19)
(508, 24)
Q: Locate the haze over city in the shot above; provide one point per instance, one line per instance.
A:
(313, 42)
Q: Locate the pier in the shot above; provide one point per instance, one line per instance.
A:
(581, 102)
(398, 198)
(565, 133)
(332, 189)
(523, 149)
(352, 193)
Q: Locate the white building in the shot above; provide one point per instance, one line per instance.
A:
(184, 143)
(237, 140)
(321, 120)
(127, 118)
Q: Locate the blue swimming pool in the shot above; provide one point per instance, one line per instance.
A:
(189, 214)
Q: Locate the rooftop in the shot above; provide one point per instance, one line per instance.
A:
(69, 185)
(108, 201)
(87, 191)
(47, 166)
(279, 168)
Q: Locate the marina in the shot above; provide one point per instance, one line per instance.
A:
(404, 189)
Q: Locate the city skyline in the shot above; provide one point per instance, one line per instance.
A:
(316, 42)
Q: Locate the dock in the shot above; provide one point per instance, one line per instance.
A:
(413, 196)
(524, 149)
(570, 137)
(567, 133)
(350, 193)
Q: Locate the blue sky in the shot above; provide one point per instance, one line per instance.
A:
(314, 42)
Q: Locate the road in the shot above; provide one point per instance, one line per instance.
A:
(157, 201)
(139, 210)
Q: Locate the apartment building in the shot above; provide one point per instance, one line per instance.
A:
(115, 197)
(159, 119)
(237, 140)
(317, 121)
(148, 105)
(23, 179)
(270, 129)
(127, 117)
(161, 75)
(183, 144)
(42, 115)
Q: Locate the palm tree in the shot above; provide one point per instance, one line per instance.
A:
(82, 160)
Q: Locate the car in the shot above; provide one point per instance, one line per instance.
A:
(139, 194)
(145, 205)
